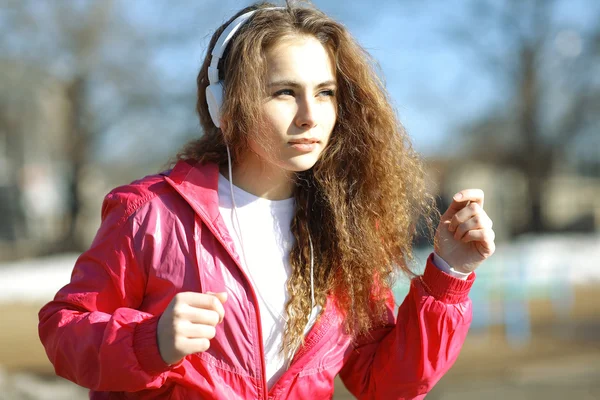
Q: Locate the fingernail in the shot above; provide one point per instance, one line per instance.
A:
(457, 196)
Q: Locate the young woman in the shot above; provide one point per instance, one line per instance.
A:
(260, 265)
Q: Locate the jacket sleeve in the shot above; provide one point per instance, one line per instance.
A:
(406, 359)
(91, 331)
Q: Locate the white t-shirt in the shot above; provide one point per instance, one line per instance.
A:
(266, 241)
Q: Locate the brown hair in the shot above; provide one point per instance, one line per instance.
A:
(360, 202)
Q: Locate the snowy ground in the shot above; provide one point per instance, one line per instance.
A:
(532, 261)
(35, 280)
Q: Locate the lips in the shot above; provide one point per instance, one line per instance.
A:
(304, 145)
(304, 141)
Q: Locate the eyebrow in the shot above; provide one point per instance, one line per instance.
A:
(296, 84)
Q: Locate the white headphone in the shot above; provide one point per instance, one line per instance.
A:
(215, 91)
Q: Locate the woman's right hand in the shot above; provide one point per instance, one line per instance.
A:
(188, 324)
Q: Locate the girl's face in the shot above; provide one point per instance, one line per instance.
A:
(299, 111)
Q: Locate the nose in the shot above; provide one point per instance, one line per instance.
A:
(306, 115)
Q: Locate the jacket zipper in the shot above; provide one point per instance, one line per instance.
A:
(257, 308)
(254, 297)
(313, 337)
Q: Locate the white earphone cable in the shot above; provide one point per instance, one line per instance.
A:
(275, 314)
(312, 267)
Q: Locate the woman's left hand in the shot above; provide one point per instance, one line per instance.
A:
(464, 238)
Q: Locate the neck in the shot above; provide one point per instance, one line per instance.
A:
(260, 178)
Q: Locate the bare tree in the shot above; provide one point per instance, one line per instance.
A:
(549, 71)
(105, 61)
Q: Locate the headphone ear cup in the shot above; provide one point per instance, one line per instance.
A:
(214, 99)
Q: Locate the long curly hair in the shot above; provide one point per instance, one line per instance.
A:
(361, 201)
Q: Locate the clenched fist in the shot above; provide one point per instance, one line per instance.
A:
(188, 324)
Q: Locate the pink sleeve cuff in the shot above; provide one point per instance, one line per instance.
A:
(444, 287)
(145, 346)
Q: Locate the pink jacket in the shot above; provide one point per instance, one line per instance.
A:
(162, 235)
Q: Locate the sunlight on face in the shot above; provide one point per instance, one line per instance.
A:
(300, 110)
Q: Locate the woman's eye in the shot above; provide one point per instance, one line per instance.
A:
(327, 93)
(284, 92)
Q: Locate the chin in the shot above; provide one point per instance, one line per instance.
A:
(300, 164)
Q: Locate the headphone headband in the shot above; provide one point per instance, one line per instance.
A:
(214, 91)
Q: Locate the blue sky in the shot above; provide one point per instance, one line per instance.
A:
(433, 87)
(404, 43)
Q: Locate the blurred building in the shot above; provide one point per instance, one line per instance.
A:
(571, 200)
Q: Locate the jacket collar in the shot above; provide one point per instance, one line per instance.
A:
(198, 184)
